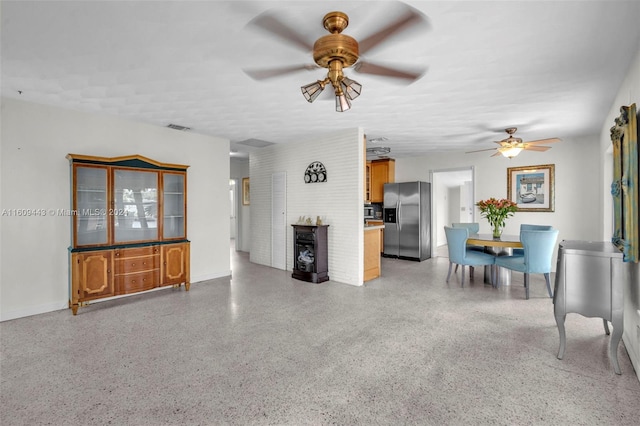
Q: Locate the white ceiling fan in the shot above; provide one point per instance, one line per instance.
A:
(512, 146)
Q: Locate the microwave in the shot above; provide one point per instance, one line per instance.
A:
(369, 212)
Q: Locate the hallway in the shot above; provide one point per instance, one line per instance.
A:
(263, 348)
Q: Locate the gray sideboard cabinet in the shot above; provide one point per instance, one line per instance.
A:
(590, 277)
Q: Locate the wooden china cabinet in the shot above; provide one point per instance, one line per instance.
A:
(129, 227)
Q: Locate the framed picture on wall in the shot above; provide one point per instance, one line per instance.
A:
(624, 188)
(245, 191)
(532, 188)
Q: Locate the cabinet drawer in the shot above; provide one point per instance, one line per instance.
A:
(137, 264)
(135, 252)
(131, 283)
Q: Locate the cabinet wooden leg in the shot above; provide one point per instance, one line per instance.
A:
(74, 309)
(187, 285)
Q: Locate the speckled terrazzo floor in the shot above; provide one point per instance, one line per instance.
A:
(263, 348)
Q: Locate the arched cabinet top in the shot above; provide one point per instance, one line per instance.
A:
(136, 160)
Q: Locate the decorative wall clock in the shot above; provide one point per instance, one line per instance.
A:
(316, 172)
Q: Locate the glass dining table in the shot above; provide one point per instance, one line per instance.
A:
(502, 246)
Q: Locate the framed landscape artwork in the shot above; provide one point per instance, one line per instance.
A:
(245, 191)
(532, 188)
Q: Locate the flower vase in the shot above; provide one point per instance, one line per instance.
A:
(497, 231)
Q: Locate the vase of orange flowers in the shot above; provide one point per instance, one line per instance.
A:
(496, 212)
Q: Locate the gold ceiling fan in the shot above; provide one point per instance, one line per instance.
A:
(512, 146)
(337, 51)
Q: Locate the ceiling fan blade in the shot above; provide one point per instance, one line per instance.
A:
(271, 23)
(539, 141)
(481, 150)
(381, 70)
(408, 19)
(497, 154)
(266, 73)
(536, 148)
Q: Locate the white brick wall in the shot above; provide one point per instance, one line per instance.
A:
(338, 201)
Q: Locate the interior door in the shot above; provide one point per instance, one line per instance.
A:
(278, 220)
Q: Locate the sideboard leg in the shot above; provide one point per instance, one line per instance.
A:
(563, 337)
(613, 348)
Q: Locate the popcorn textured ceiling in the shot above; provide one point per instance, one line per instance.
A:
(551, 69)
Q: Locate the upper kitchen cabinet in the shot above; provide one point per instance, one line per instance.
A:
(381, 171)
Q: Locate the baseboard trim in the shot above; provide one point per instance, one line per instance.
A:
(33, 310)
(57, 306)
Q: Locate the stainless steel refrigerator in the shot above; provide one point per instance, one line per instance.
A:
(407, 220)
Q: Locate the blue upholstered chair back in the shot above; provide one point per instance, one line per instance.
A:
(457, 243)
(538, 250)
(473, 227)
(527, 227)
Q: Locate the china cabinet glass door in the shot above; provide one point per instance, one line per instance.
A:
(90, 212)
(174, 206)
(135, 210)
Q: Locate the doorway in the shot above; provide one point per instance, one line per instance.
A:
(452, 198)
(233, 215)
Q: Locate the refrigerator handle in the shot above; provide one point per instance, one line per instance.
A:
(399, 216)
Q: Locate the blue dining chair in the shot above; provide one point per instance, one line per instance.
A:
(474, 228)
(527, 227)
(538, 249)
(458, 253)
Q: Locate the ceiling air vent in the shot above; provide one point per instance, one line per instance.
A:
(178, 127)
(379, 150)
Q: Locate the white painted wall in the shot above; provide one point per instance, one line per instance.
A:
(628, 94)
(35, 175)
(338, 201)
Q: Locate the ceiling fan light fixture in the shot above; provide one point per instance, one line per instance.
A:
(313, 90)
(350, 87)
(510, 151)
(342, 102)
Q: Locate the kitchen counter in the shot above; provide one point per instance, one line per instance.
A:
(372, 227)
